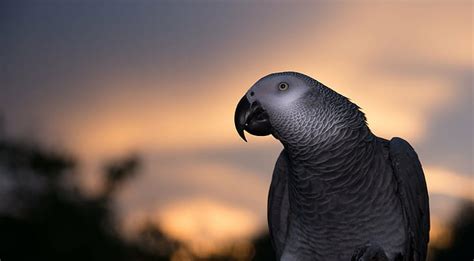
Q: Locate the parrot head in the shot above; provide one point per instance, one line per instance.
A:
(288, 105)
(269, 99)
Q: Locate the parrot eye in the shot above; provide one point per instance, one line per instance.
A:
(283, 86)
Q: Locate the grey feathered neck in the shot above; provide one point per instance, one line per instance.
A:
(333, 169)
(319, 121)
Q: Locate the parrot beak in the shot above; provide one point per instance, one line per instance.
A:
(252, 118)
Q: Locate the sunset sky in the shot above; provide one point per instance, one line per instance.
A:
(104, 78)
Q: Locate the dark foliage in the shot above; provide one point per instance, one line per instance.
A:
(263, 248)
(462, 240)
(45, 216)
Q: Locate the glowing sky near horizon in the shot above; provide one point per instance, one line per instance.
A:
(102, 79)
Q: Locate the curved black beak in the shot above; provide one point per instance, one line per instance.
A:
(252, 118)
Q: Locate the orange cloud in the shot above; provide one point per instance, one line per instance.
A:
(440, 233)
(450, 183)
(207, 224)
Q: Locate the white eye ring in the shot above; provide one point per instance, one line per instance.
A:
(283, 86)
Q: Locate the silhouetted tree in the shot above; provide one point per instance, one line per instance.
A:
(44, 214)
(263, 248)
(462, 237)
(118, 171)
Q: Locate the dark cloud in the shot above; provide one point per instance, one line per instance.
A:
(170, 176)
(52, 51)
(448, 139)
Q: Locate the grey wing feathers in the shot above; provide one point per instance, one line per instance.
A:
(278, 204)
(414, 197)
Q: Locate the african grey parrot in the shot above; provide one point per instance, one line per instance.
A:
(338, 192)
